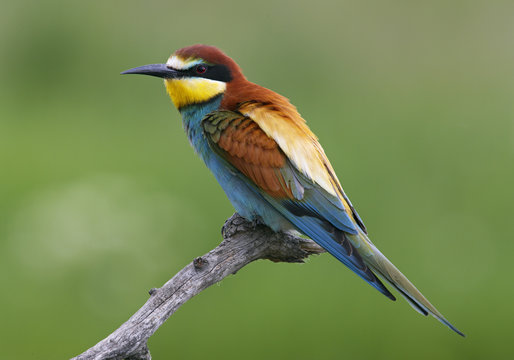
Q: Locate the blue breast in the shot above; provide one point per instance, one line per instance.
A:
(243, 194)
(192, 116)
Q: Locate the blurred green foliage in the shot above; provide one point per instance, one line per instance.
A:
(101, 197)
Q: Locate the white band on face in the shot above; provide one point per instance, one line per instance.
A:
(178, 63)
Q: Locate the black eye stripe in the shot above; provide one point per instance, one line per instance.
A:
(213, 72)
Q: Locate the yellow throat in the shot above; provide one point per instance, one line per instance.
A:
(188, 91)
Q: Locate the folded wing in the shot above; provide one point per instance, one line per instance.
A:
(290, 186)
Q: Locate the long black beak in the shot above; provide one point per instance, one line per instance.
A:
(159, 70)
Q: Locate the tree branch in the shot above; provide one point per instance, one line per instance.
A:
(243, 242)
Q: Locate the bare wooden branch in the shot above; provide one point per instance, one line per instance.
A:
(243, 242)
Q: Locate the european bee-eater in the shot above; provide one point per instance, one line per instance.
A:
(271, 165)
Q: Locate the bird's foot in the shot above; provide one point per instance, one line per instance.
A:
(236, 223)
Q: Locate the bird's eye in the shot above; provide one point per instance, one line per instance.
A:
(200, 69)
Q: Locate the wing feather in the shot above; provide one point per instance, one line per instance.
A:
(257, 153)
(288, 129)
(262, 163)
(244, 145)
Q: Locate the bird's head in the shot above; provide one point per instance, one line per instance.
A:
(194, 74)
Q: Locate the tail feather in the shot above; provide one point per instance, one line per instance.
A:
(419, 308)
(381, 266)
(341, 249)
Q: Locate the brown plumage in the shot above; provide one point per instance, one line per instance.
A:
(249, 150)
(240, 90)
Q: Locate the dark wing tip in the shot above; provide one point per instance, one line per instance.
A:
(389, 295)
(447, 323)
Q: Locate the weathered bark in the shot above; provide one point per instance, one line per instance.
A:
(243, 242)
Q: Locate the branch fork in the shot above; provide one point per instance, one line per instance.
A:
(243, 242)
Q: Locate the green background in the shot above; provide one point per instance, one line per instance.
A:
(102, 198)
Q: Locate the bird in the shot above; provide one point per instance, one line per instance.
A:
(271, 165)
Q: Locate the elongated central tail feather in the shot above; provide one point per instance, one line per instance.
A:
(392, 276)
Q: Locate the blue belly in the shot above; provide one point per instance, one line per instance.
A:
(242, 194)
(245, 198)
